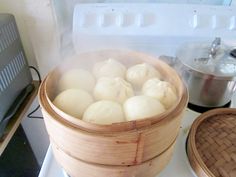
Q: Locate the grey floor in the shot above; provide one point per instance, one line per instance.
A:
(18, 159)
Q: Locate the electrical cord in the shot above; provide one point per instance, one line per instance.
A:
(37, 72)
(30, 115)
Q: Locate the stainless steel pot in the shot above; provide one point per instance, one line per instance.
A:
(209, 71)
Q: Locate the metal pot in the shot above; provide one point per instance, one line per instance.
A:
(209, 71)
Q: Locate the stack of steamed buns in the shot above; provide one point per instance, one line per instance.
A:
(113, 93)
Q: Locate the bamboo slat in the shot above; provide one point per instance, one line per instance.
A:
(212, 143)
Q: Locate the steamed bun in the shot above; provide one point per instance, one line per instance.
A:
(139, 107)
(161, 90)
(139, 73)
(115, 89)
(109, 68)
(73, 102)
(77, 78)
(104, 112)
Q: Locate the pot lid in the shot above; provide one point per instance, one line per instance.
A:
(209, 58)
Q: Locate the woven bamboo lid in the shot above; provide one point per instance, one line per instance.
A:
(211, 143)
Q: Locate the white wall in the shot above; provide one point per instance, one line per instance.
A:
(43, 33)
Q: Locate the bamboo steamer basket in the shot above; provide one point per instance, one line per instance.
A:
(126, 143)
(211, 146)
(77, 168)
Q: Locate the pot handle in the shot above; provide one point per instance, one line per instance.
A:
(172, 61)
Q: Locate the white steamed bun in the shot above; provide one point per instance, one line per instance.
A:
(139, 107)
(104, 112)
(161, 90)
(115, 89)
(139, 73)
(76, 78)
(109, 68)
(73, 102)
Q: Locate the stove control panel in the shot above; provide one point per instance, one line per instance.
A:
(154, 19)
(101, 26)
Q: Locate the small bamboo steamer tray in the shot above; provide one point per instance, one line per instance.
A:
(126, 143)
(211, 146)
(77, 168)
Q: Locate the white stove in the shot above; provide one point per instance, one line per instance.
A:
(113, 22)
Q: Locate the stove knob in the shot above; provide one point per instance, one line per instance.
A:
(145, 19)
(109, 19)
(128, 19)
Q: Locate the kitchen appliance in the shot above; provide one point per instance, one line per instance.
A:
(15, 77)
(156, 29)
